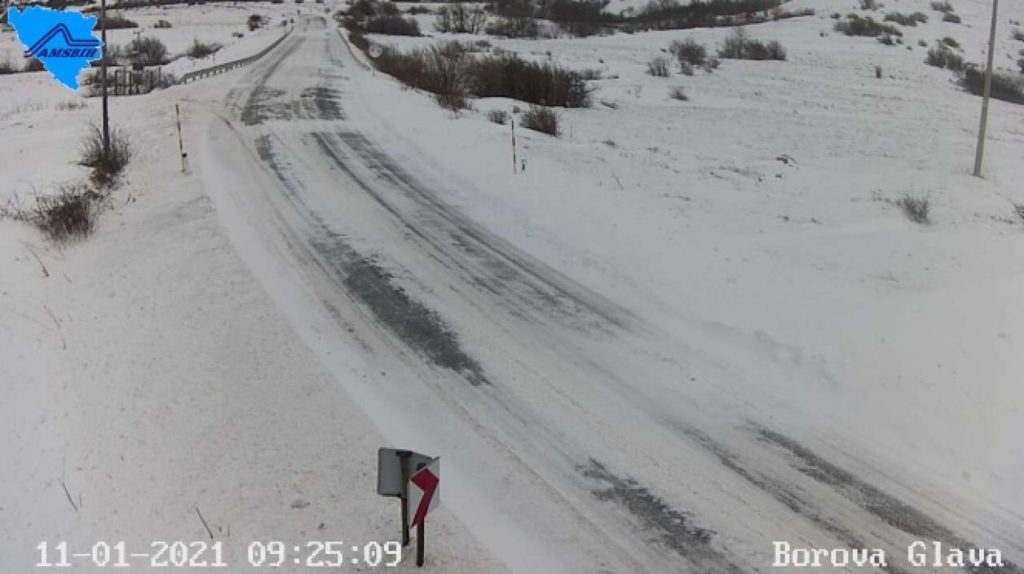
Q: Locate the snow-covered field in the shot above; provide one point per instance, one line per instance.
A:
(684, 347)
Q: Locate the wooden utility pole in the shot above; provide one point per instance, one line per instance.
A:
(979, 154)
(103, 79)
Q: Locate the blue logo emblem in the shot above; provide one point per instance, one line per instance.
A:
(62, 41)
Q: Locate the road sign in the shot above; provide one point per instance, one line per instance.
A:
(391, 476)
(424, 491)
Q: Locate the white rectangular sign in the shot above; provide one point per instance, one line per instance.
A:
(390, 481)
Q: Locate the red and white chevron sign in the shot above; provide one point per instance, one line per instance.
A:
(423, 490)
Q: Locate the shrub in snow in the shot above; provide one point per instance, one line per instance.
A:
(951, 18)
(358, 39)
(113, 54)
(541, 119)
(689, 51)
(512, 8)
(577, 17)
(439, 69)
(148, 50)
(733, 45)
(740, 46)
(1005, 87)
(68, 213)
(454, 101)
(952, 43)
(1018, 35)
(658, 67)
(498, 116)
(854, 25)
(106, 166)
(678, 93)
(685, 68)
(675, 14)
(69, 105)
(449, 70)
(915, 208)
(942, 57)
(254, 22)
(6, 67)
(868, 5)
(460, 18)
(520, 27)
(199, 50)
(393, 25)
(162, 24)
(944, 7)
(1018, 209)
(115, 22)
(878, 72)
(907, 19)
(542, 83)
(887, 40)
(779, 14)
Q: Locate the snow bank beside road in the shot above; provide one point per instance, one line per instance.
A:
(147, 372)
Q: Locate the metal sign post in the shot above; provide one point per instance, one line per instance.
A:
(394, 469)
(403, 459)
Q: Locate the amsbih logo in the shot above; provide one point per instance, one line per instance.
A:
(62, 41)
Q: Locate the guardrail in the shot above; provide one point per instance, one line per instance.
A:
(227, 66)
(356, 54)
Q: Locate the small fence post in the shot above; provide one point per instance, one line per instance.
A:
(181, 142)
(513, 122)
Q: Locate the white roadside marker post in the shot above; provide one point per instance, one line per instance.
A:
(181, 142)
(394, 475)
(513, 119)
(988, 91)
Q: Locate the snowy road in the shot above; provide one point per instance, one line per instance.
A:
(577, 436)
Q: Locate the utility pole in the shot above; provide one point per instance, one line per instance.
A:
(103, 79)
(988, 91)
